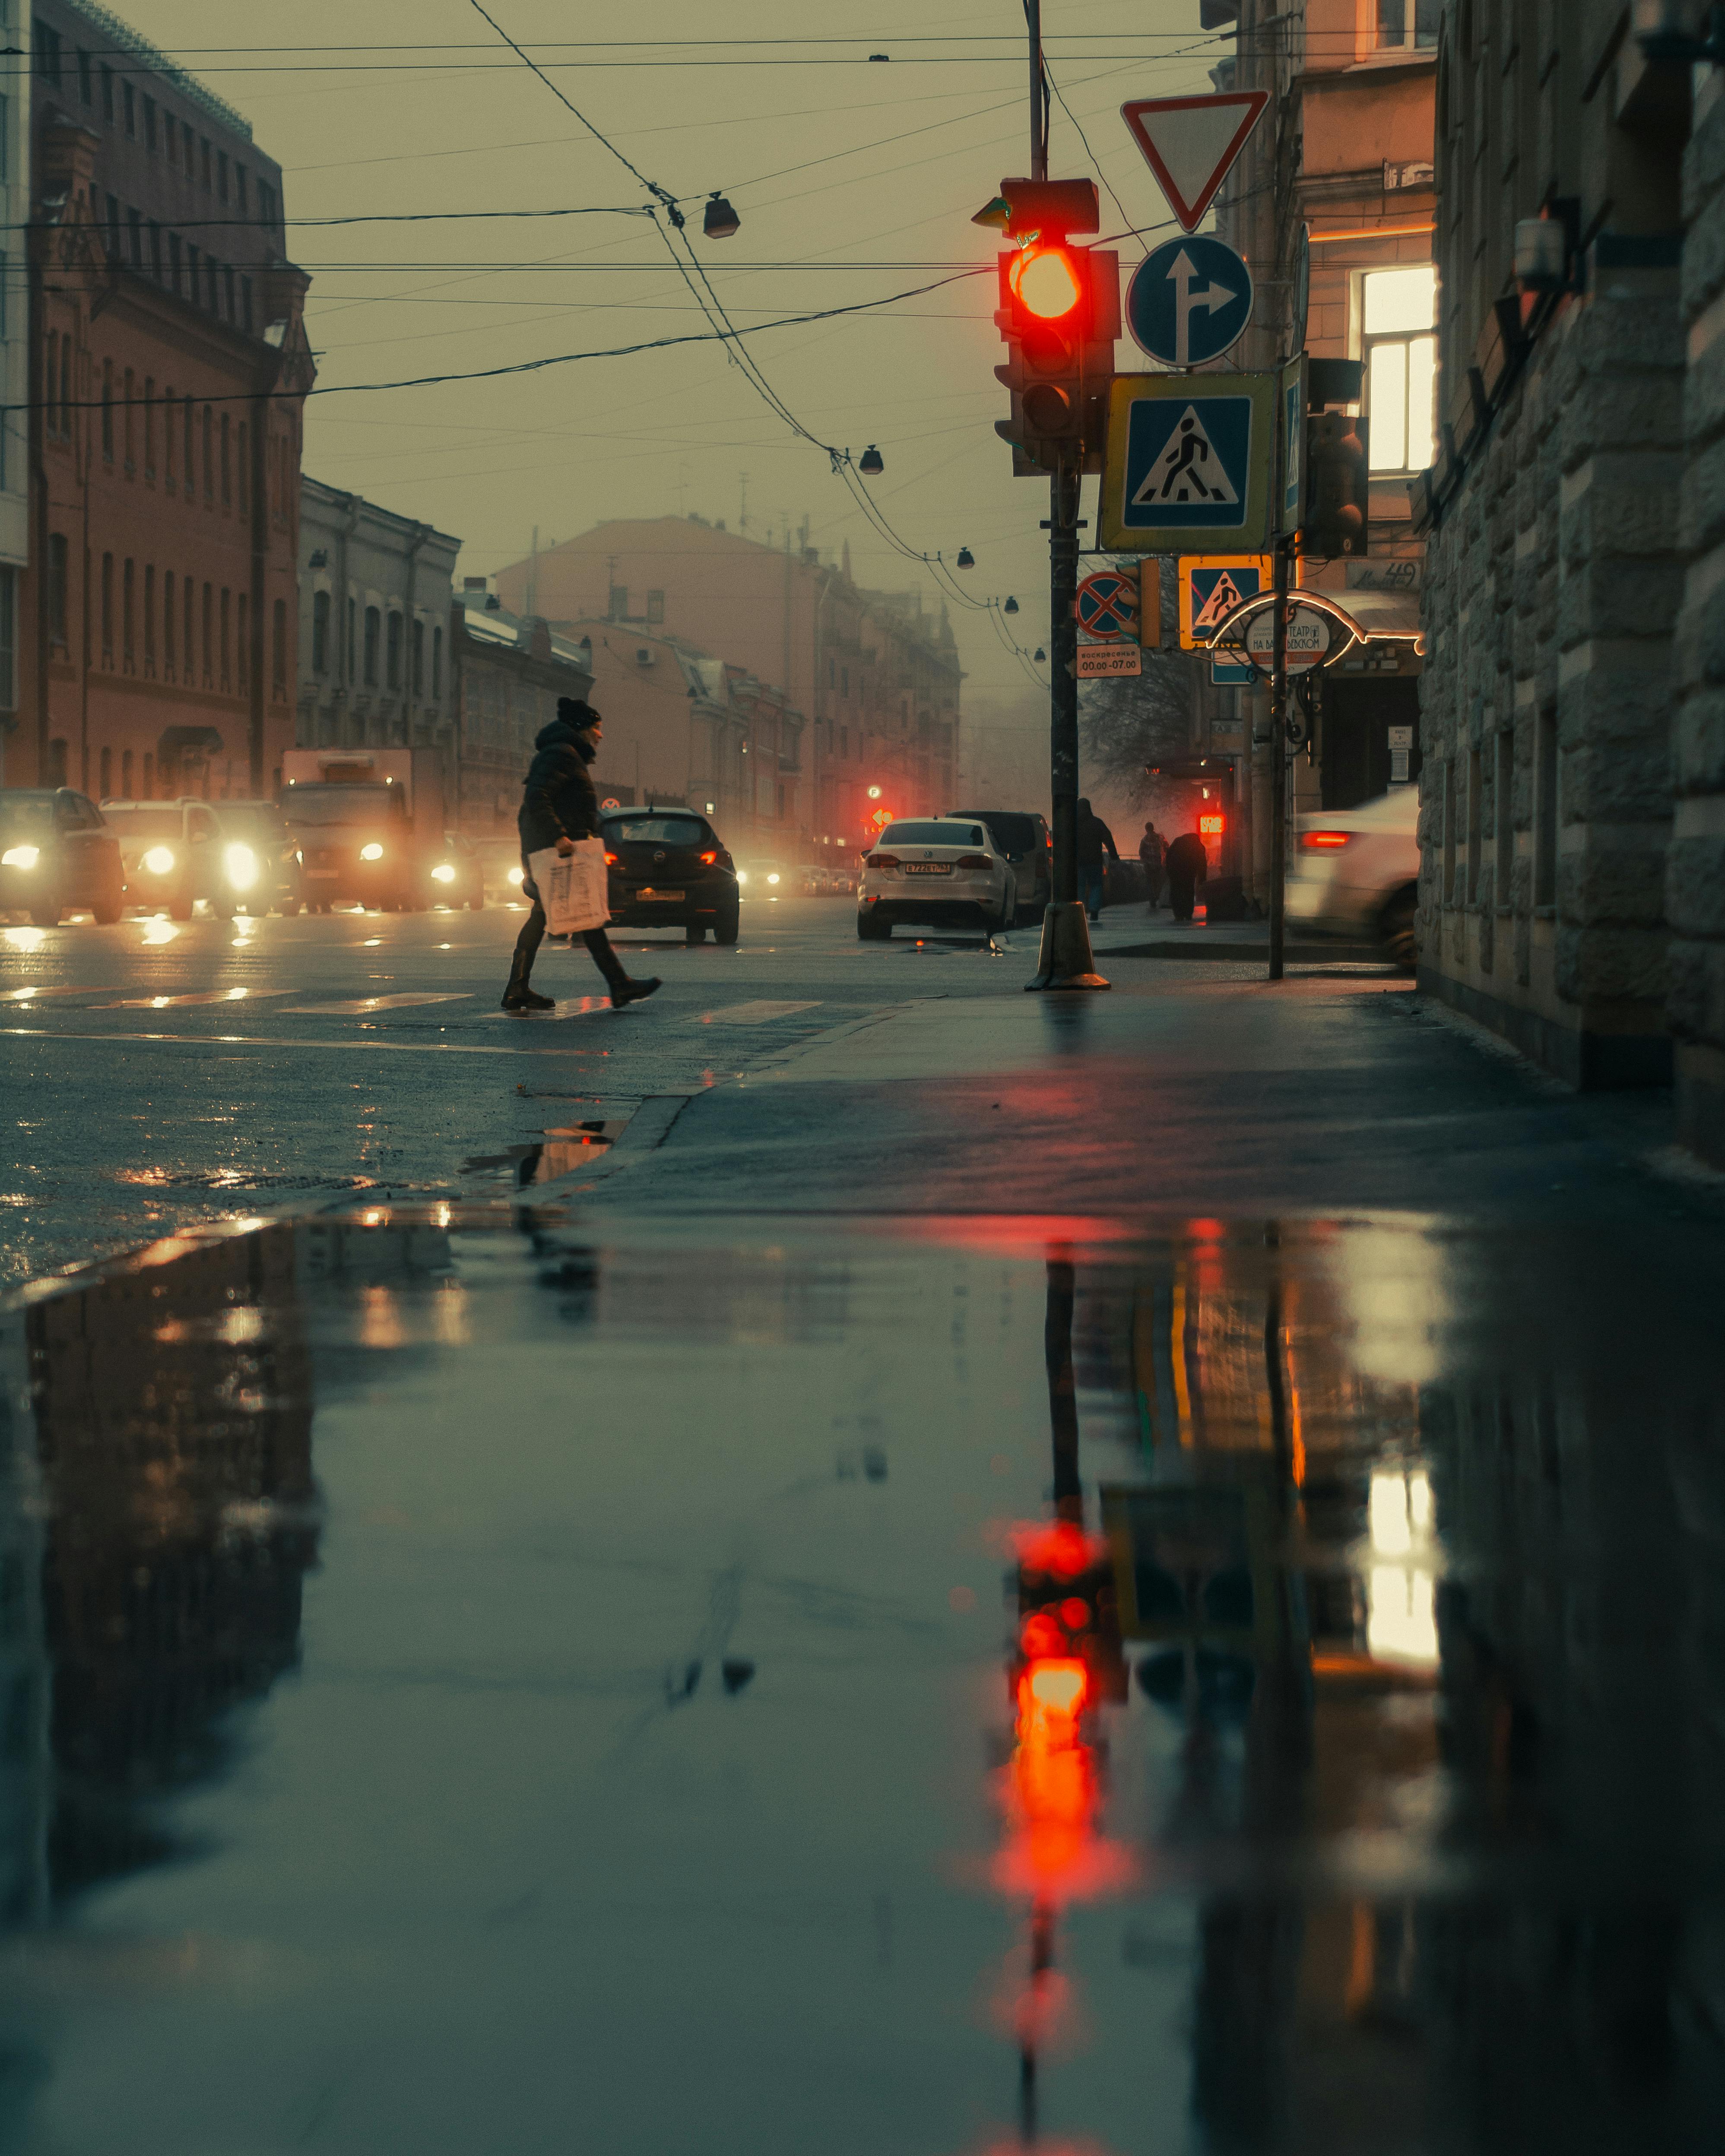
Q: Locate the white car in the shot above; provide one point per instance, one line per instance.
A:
(1356, 872)
(937, 872)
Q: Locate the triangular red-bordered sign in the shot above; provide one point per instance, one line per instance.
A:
(1190, 143)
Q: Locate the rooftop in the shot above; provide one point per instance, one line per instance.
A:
(127, 40)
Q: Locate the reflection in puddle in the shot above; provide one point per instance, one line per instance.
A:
(1349, 1783)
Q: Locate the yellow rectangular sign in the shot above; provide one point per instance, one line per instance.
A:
(1211, 585)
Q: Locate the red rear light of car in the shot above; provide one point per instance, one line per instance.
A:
(610, 860)
(881, 860)
(1326, 841)
(973, 861)
(707, 859)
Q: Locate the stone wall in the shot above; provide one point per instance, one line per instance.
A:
(1695, 889)
(1553, 584)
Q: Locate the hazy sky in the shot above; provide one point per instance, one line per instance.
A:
(798, 135)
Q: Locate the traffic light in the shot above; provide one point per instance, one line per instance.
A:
(1338, 498)
(1060, 315)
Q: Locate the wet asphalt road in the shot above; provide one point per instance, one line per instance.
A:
(971, 1574)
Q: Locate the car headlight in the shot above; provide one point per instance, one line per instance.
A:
(20, 857)
(159, 860)
(443, 873)
(299, 860)
(773, 879)
(742, 876)
(514, 875)
(241, 863)
(372, 853)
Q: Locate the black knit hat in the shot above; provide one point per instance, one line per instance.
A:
(574, 712)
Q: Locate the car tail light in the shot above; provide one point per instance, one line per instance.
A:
(973, 861)
(1326, 841)
(610, 860)
(708, 859)
(881, 860)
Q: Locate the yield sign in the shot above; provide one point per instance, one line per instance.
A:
(1191, 143)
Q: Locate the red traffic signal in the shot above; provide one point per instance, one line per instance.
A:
(1060, 314)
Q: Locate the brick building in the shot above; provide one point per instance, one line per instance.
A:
(168, 366)
(1331, 204)
(1556, 552)
(875, 678)
(14, 396)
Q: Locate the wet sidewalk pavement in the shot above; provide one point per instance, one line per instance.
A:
(506, 1678)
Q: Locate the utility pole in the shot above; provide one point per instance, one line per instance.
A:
(1279, 762)
(1039, 93)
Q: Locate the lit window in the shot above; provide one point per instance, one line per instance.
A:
(1405, 25)
(1400, 312)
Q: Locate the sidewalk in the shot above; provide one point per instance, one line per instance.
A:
(1325, 1093)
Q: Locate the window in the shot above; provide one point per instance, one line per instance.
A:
(266, 207)
(192, 271)
(108, 96)
(167, 623)
(208, 645)
(656, 606)
(173, 261)
(131, 107)
(437, 662)
(150, 619)
(155, 250)
(135, 238)
(1503, 833)
(320, 632)
(620, 602)
(391, 655)
(150, 124)
(128, 615)
(374, 626)
(1399, 310)
(352, 615)
(150, 428)
(114, 228)
(245, 305)
(228, 308)
(239, 200)
(210, 462)
(1545, 809)
(8, 639)
(186, 141)
(278, 649)
(227, 466)
(48, 52)
(1407, 25)
(222, 175)
(108, 410)
(204, 172)
(244, 634)
(107, 609)
(129, 406)
(188, 617)
(418, 683)
(86, 78)
(227, 637)
(186, 421)
(245, 491)
(125, 792)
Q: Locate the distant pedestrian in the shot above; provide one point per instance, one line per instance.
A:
(1187, 866)
(559, 806)
(1095, 841)
(1151, 848)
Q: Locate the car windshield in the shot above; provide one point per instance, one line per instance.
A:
(36, 815)
(656, 830)
(933, 835)
(253, 823)
(162, 823)
(339, 804)
(1013, 834)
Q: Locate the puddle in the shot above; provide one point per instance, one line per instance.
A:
(1248, 1688)
(556, 1152)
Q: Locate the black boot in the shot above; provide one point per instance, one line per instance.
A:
(627, 991)
(518, 996)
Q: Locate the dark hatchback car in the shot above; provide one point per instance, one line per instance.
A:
(57, 856)
(1025, 841)
(669, 870)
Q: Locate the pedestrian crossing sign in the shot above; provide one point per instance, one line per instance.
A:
(1188, 464)
(1211, 587)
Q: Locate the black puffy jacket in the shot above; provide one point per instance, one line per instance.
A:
(559, 800)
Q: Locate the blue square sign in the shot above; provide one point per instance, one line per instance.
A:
(1188, 463)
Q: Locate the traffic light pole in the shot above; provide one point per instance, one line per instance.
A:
(1279, 762)
(1065, 961)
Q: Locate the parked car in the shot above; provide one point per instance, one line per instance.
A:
(457, 875)
(1356, 872)
(1027, 843)
(261, 858)
(174, 855)
(670, 868)
(761, 876)
(937, 872)
(57, 855)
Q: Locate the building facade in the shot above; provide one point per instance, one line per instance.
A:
(1331, 203)
(875, 678)
(168, 364)
(15, 202)
(507, 672)
(1557, 544)
(375, 594)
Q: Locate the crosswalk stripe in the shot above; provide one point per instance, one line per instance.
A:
(201, 996)
(363, 1005)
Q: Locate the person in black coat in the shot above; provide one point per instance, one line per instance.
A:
(559, 806)
(1094, 841)
(1188, 865)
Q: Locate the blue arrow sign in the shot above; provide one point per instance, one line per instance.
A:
(1189, 301)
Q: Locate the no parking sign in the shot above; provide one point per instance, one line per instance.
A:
(1106, 607)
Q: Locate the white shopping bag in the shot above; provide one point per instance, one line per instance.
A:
(573, 888)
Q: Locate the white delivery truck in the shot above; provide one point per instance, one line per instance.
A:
(367, 824)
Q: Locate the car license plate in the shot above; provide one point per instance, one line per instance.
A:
(313, 875)
(648, 891)
(928, 868)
